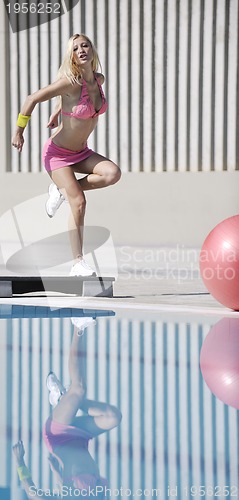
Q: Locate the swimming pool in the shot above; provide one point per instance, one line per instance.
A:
(176, 439)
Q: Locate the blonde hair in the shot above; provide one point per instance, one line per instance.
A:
(69, 67)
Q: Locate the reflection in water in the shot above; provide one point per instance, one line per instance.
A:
(175, 435)
(219, 361)
(66, 433)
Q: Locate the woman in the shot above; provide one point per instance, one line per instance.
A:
(66, 152)
(67, 435)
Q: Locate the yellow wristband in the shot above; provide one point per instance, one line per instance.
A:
(23, 473)
(22, 120)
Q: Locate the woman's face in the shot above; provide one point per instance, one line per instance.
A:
(82, 51)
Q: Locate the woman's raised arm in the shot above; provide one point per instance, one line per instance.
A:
(59, 87)
(24, 473)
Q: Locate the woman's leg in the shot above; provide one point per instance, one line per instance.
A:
(100, 172)
(66, 181)
(71, 401)
(100, 417)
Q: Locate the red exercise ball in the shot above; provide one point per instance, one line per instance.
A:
(219, 262)
(219, 361)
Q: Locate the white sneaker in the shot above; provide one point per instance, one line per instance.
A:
(82, 323)
(55, 387)
(54, 201)
(81, 268)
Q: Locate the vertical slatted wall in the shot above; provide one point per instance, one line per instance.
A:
(172, 81)
(173, 430)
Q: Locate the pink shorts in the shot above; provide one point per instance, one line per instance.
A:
(55, 157)
(56, 434)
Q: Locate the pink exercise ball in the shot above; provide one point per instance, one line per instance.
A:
(219, 361)
(219, 262)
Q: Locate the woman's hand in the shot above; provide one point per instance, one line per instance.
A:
(54, 464)
(53, 120)
(18, 140)
(19, 452)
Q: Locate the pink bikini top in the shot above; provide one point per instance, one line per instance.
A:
(85, 107)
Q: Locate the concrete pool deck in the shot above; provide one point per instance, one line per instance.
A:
(149, 279)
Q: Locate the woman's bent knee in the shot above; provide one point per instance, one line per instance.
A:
(116, 174)
(113, 174)
(114, 416)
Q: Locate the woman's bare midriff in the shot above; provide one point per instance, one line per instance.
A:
(73, 133)
(77, 461)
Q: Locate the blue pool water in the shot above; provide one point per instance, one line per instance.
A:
(179, 433)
